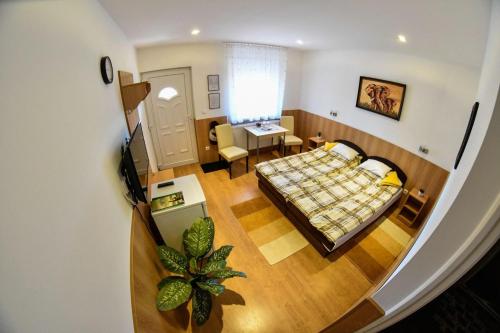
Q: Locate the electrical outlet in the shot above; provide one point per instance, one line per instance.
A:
(207, 147)
(333, 113)
(423, 149)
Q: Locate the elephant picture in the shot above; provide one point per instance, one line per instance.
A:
(380, 96)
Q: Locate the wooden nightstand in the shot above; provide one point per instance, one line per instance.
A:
(315, 142)
(412, 207)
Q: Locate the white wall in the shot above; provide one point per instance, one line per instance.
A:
(468, 210)
(208, 58)
(438, 98)
(65, 227)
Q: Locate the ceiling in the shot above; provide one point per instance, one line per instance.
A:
(450, 30)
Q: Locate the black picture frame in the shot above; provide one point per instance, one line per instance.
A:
(472, 118)
(213, 82)
(386, 103)
(214, 101)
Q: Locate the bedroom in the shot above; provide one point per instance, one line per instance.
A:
(321, 59)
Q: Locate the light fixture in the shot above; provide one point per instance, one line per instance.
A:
(402, 38)
(195, 32)
(300, 42)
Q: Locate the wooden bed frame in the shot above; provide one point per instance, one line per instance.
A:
(315, 237)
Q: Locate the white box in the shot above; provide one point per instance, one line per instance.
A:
(172, 222)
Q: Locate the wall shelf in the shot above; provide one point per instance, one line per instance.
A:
(132, 94)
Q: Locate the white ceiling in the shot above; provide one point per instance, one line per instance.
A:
(450, 30)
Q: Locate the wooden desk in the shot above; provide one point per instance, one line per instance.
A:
(262, 132)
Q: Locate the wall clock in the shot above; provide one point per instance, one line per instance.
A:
(106, 70)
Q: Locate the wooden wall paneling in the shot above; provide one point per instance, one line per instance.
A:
(132, 117)
(361, 314)
(420, 172)
(202, 126)
(146, 270)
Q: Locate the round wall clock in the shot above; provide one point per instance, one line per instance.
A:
(106, 70)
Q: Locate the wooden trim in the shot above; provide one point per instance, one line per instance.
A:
(358, 316)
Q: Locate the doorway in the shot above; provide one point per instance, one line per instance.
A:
(170, 112)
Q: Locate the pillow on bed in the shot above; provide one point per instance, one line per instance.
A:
(347, 152)
(391, 179)
(377, 167)
(329, 145)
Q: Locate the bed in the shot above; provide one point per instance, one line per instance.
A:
(351, 200)
(286, 174)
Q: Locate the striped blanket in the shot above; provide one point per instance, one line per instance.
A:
(314, 197)
(288, 175)
(352, 211)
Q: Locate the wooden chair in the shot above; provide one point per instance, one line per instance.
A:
(290, 139)
(226, 147)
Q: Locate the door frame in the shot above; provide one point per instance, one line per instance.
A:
(148, 75)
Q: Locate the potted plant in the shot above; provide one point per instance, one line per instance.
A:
(200, 272)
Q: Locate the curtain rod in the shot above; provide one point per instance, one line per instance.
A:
(255, 44)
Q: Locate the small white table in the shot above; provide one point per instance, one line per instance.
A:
(263, 132)
(172, 222)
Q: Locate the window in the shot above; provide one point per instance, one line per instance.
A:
(255, 81)
(167, 93)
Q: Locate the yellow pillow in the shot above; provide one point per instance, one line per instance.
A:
(391, 179)
(329, 145)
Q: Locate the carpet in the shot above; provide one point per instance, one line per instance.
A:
(272, 233)
(214, 166)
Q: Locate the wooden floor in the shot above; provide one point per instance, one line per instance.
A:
(303, 293)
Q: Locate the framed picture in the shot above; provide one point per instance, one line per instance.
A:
(381, 96)
(214, 101)
(213, 82)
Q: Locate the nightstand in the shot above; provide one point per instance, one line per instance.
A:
(412, 207)
(315, 142)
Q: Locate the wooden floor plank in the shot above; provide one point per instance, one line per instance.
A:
(302, 293)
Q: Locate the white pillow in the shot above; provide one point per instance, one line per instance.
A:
(347, 152)
(377, 167)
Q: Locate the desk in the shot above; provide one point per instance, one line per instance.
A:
(263, 132)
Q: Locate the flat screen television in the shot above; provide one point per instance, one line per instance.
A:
(134, 165)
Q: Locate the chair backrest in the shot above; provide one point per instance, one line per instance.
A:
(224, 136)
(287, 122)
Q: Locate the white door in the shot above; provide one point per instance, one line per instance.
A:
(170, 113)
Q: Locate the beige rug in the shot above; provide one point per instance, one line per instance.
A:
(273, 234)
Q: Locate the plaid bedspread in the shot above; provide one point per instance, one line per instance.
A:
(288, 175)
(352, 211)
(324, 192)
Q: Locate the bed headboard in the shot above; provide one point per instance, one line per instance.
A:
(355, 147)
(394, 167)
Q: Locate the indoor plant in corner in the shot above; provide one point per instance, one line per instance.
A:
(200, 274)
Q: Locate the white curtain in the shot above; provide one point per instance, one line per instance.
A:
(255, 81)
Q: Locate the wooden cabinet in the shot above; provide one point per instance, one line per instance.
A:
(315, 142)
(412, 207)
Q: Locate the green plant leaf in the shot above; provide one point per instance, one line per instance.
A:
(226, 274)
(193, 265)
(166, 280)
(213, 266)
(212, 286)
(200, 237)
(202, 305)
(173, 293)
(221, 254)
(172, 259)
